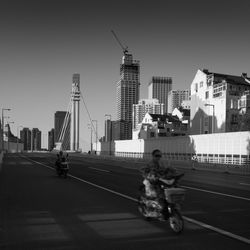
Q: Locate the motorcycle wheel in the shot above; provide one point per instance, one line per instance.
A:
(176, 221)
(142, 208)
(65, 174)
(59, 173)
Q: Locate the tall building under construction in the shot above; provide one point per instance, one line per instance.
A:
(127, 93)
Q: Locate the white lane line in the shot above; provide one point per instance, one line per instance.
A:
(199, 223)
(218, 230)
(218, 193)
(103, 188)
(98, 169)
(246, 184)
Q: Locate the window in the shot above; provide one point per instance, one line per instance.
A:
(234, 118)
(201, 84)
(207, 94)
(206, 121)
(196, 87)
(152, 134)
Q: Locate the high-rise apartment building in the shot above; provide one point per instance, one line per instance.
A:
(25, 135)
(158, 88)
(58, 126)
(144, 106)
(127, 92)
(51, 139)
(108, 130)
(176, 98)
(36, 139)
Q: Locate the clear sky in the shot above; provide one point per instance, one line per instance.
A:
(42, 43)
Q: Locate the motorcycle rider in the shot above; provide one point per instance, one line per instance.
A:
(154, 170)
(60, 159)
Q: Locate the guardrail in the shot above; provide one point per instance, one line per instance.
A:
(184, 163)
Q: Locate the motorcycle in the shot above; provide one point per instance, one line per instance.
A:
(166, 208)
(62, 167)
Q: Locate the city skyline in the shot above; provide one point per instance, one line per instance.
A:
(44, 43)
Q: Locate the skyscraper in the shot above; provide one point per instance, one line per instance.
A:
(58, 126)
(36, 139)
(127, 92)
(25, 135)
(159, 88)
(51, 139)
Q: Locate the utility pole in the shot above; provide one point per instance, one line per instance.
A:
(96, 135)
(110, 132)
(90, 127)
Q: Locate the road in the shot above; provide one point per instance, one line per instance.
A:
(95, 208)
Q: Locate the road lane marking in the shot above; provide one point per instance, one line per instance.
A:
(98, 169)
(199, 223)
(218, 193)
(218, 230)
(103, 188)
(246, 184)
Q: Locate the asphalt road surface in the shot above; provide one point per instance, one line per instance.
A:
(95, 207)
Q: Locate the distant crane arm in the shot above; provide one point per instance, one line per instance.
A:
(124, 49)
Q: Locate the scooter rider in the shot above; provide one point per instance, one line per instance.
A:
(60, 157)
(154, 170)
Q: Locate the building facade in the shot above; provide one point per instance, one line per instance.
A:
(157, 126)
(36, 139)
(127, 93)
(51, 139)
(144, 106)
(176, 98)
(108, 130)
(119, 130)
(25, 135)
(219, 103)
(159, 88)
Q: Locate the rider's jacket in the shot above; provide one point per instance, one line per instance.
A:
(151, 173)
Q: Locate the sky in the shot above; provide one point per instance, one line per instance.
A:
(43, 43)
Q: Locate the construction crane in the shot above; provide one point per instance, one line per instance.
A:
(124, 49)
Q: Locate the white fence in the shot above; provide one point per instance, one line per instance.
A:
(222, 148)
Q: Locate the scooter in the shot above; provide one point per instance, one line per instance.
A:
(62, 167)
(166, 209)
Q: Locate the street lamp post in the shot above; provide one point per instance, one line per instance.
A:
(96, 135)
(3, 109)
(17, 137)
(90, 126)
(212, 105)
(110, 132)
